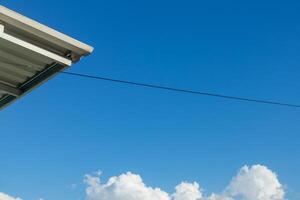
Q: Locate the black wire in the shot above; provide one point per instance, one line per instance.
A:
(182, 90)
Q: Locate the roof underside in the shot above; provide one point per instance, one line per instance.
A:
(31, 53)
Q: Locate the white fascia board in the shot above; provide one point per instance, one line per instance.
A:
(33, 48)
(42, 31)
(1, 29)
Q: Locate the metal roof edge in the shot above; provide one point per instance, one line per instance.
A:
(33, 27)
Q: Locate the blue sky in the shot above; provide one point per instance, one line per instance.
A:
(71, 126)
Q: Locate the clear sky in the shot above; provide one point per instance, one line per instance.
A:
(71, 126)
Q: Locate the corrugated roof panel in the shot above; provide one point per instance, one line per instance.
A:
(32, 30)
(31, 53)
(2, 94)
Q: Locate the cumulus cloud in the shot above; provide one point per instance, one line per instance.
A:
(126, 187)
(187, 191)
(256, 183)
(7, 197)
(251, 183)
(219, 197)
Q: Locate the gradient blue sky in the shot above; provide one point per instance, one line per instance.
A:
(71, 126)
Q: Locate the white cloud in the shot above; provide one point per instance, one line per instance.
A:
(219, 197)
(187, 191)
(251, 183)
(7, 197)
(256, 183)
(125, 187)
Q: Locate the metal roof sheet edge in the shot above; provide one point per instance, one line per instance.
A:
(35, 28)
